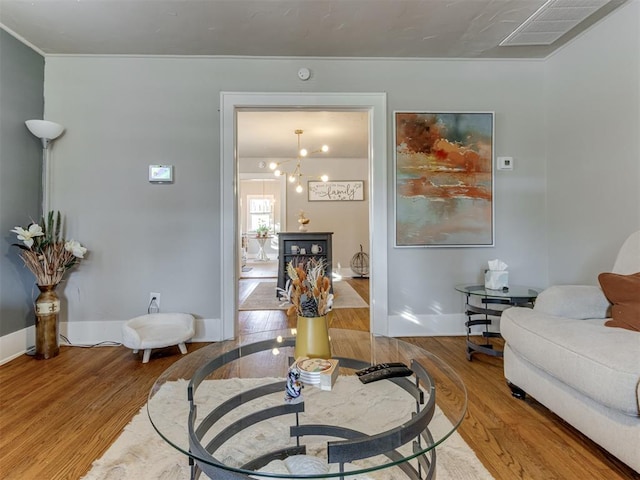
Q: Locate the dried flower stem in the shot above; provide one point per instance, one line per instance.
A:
(45, 253)
(307, 290)
(49, 266)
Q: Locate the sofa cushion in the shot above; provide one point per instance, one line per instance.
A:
(573, 301)
(602, 363)
(623, 291)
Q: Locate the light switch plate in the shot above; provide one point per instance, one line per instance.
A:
(505, 163)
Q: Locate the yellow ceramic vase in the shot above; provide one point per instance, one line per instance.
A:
(312, 338)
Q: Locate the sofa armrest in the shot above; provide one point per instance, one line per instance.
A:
(573, 301)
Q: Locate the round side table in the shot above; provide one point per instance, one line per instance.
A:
(262, 255)
(486, 311)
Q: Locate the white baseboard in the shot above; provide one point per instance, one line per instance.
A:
(210, 330)
(451, 324)
(93, 333)
(16, 343)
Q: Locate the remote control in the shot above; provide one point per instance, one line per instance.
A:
(379, 366)
(385, 373)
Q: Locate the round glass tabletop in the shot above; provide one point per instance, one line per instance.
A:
(224, 406)
(513, 291)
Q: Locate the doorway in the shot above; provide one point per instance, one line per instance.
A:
(375, 106)
(336, 144)
(261, 205)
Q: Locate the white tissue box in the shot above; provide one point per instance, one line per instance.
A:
(496, 279)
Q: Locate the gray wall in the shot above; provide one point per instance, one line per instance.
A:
(123, 113)
(21, 98)
(594, 148)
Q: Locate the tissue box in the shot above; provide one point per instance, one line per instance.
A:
(496, 279)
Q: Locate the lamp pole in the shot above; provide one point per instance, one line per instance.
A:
(46, 131)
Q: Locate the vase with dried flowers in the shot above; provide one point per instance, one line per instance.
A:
(308, 291)
(48, 256)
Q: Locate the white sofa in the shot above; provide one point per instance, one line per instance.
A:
(561, 353)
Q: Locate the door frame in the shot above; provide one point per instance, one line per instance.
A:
(375, 105)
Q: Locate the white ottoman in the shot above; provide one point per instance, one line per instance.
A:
(158, 330)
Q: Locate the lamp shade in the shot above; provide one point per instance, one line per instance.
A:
(45, 129)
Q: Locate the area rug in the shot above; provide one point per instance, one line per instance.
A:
(263, 297)
(264, 270)
(140, 453)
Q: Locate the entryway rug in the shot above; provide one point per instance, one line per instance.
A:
(140, 452)
(260, 269)
(263, 297)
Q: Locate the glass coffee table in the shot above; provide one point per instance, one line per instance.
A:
(224, 407)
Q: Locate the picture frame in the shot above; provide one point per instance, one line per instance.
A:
(444, 179)
(335, 191)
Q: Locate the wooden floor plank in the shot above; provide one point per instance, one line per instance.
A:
(57, 416)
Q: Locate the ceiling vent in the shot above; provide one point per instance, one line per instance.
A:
(551, 21)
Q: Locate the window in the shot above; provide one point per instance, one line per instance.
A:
(260, 211)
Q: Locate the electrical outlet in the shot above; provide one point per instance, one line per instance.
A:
(157, 296)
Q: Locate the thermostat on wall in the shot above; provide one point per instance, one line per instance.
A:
(161, 173)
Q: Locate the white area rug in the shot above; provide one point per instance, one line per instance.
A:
(140, 453)
(261, 269)
(263, 297)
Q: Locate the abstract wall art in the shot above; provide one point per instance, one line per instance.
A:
(444, 179)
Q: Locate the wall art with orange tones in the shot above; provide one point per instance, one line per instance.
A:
(444, 179)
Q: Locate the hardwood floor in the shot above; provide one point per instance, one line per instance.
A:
(57, 416)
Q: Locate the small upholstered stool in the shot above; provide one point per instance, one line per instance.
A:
(158, 330)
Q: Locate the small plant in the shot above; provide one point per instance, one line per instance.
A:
(308, 289)
(262, 230)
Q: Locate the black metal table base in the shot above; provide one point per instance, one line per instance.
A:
(355, 445)
(492, 304)
(485, 312)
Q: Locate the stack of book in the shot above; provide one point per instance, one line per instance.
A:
(318, 371)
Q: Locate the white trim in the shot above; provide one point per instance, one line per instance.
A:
(23, 40)
(208, 330)
(289, 58)
(452, 324)
(376, 105)
(15, 344)
(92, 334)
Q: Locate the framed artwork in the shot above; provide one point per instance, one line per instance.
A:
(335, 191)
(444, 179)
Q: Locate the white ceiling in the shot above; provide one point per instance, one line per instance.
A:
(271, 134)
(318, 28)
(293, 28)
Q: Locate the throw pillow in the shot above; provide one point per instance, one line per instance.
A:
(623, 292)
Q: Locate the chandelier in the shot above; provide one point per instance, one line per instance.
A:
(296, 175)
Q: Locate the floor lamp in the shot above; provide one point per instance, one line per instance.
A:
(47, 132)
